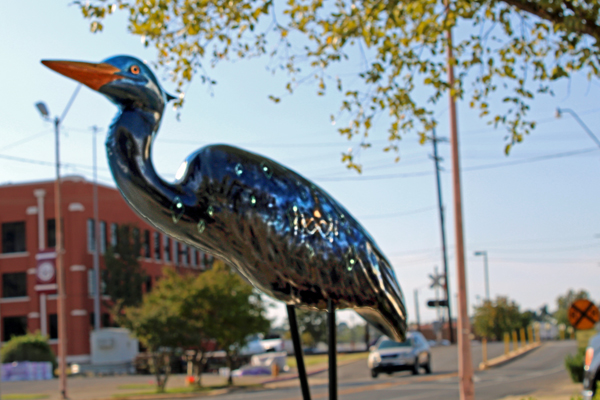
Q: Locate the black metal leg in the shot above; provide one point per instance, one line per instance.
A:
(298, 352)
(332, 351)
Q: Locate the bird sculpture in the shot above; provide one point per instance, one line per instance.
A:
(283, 233)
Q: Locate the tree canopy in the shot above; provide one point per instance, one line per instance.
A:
(235, 310)
(493, 318)
(564, 302)
(123, 275)
(507, 52)
(312, 326)
(186, 312)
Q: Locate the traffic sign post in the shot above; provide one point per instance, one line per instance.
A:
(583, 314)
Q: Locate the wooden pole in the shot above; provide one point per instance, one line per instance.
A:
(465, 363)
(443, 234)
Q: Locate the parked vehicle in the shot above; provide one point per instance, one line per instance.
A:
(591, 368)
(389, 356)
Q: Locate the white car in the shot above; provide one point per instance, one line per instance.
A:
(389, 356)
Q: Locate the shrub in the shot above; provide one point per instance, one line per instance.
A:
(30, 347)
(574, 365)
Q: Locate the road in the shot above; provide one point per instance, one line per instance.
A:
(538, 369)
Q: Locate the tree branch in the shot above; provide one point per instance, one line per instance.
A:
(590, 27)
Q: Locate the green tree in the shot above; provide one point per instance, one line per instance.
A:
(312, 326)
(123, 276)
(509, 51)
(564, 302)
(495, 317)
(234, 310)
(160, 325)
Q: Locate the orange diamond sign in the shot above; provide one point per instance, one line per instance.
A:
(583, 314)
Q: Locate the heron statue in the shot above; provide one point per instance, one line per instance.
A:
(283, 233)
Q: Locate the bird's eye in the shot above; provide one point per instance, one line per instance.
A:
(134, 69)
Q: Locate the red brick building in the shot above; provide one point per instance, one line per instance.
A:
(27, 223)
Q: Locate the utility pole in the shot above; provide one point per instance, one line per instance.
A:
(96, 236)
(465, 363)
(437, 160)
(60, 272)
(417, 309)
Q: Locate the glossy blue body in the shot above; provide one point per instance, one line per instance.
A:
(284, 234)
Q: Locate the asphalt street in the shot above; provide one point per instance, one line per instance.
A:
(538, 369)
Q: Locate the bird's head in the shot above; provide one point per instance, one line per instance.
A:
(125, 80)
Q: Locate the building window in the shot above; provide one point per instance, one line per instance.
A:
(14, 284)
(102, 237)
(136, 237)
(194, 255)
(91, 235)
(175, 252)
(53, 326)
(156, 245)
(146, 248)
(14, 326)
(148, 283)
(184, 255)
(167, 248)
(50, 233)
(13, 237)
(114, 235)
(92, 282)
(104, 320)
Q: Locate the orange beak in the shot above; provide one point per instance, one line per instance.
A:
(92, 75)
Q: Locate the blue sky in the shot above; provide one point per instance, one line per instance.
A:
(537, 219)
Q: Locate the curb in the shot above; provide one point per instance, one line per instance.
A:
(171, 395)
(506, 358)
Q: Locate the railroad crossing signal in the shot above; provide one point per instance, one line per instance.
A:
(437, 303)
(437, 281)
(583, 314)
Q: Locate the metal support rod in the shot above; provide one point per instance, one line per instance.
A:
(332, 344)
(487, 277)
(96, 237)
(417, 309)
(580, 122)
(443, 234)
(298, 352)
(60, 274)
(465, 363)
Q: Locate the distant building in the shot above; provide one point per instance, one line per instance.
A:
(27, 223)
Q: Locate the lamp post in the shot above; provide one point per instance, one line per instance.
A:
(96, 237)
(560, 111)
(60, 273)
(487, 277)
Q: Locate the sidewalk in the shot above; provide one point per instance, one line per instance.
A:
(96, 388)
(562, 390)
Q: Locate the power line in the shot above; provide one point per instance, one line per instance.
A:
(474, 168)
(398, 214)
(532, 159)
(26, 139)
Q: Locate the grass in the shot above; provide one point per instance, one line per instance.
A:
(28, 396)
(315, 359)
(186, 389)
(138, 386)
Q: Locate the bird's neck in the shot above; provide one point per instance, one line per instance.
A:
(129, 151)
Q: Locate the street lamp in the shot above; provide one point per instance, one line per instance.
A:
(487, 277)
(560, 111)
(60, 274)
